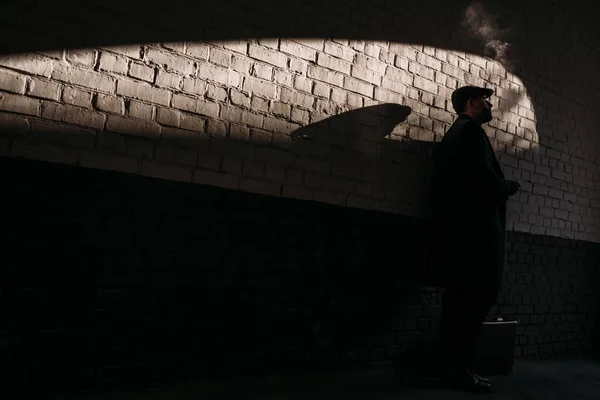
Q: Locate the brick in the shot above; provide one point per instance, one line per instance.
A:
(339, 51)
(216, 93)
(356, 86)
(140, 110)
(217, 128)
(219, 57)
(303, 84)
(73, 115)
(298, 50)
(178, 47)
(241, 65)
(284, 78)
(371, 64)
(167, 116)
(253, 169)
(43, 89)
(133, 127)
(108, 162)
(196, 106)
(267, 55)
(234, 114)
(12, 82)
(299, 66)
(109, 103)
(141, 71)
(131, 51)
(231, 164)
(341, 97)
(387, 96)
(260, 136)
(430, 62)
(280, 109)
(194, 86)
(404, 50)
(209, 161)
(317, 44)
(44, 152)
(139, 147)
(441, 115)
(366, 75)
(300, 116)
(181, 137)
(166, 171)
(372, 50)
(335, 64)
(168, 80)
(422, 71)
(279, 125)
(273, 155)
(198, 50)
(110, 142)
(68, 135)
(323, 75)
(85, 57)
(192, 122)
(238, 46)
(90, 79)
(321, 90)
(214, 73)
(260, 87)
(262, 71)
(13, 124)
(298, 99)
(239, 98)
(270, 43)
(77, 97)
(28, 63)
(19, 104)
(170, 61)
(143, 91)
(113, 63)
(425, 84)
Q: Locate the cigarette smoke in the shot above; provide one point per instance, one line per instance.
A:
(483, 26)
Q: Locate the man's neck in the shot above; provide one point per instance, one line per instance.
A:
(470, 117)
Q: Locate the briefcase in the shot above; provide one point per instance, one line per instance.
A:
(495, 349)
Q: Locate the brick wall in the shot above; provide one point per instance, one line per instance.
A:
(310, 104)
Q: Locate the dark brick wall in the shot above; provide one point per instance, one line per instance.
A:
(112, 280)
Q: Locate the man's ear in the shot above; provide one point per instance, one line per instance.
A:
(470, 104)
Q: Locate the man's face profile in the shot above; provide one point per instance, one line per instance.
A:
(482, 109)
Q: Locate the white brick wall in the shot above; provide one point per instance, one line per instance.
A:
(221, 113)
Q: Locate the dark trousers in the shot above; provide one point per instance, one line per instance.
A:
(463, 313)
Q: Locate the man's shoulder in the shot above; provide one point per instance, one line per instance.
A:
(461, 128)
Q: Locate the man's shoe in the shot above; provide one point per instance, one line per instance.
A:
(482, 378)
(467, 381)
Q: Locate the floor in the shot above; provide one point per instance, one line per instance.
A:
(532, 380)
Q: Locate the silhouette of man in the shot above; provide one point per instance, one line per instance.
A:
(469, 216)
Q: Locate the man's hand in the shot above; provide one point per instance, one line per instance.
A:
(513, 187)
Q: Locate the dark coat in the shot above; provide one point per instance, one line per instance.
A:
(469, 210)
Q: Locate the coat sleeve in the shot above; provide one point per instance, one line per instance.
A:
(483, 183)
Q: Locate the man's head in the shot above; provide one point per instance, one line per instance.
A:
(472, 101)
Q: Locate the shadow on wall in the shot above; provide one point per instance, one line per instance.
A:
(173, 280)
(373, 142)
